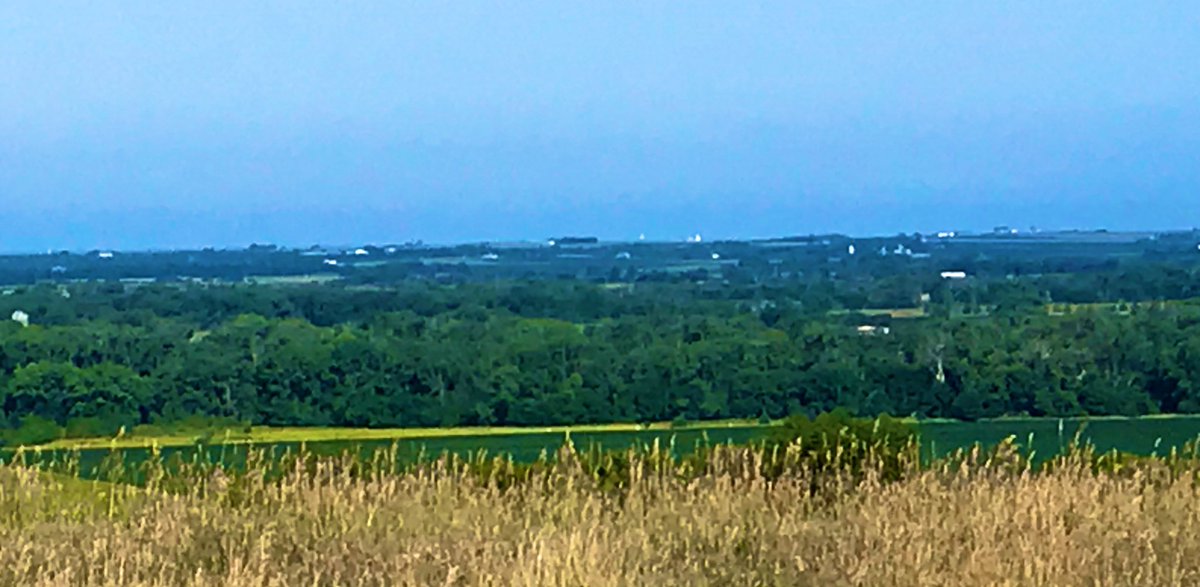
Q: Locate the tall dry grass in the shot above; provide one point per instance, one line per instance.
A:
(974, 520)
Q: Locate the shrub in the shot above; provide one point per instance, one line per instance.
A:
(92, 427)
(33, 430)
(837, 441)
(195, 425)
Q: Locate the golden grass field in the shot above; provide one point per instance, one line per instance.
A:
(974, 521)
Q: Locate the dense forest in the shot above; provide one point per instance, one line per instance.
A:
(97, 356)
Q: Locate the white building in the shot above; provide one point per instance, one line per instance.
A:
(20, 318)
(954, 275)
(868, 329)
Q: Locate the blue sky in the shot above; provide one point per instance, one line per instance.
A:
(159, 124)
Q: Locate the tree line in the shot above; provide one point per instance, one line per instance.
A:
(539, 354)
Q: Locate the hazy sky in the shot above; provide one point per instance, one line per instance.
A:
(128, 123)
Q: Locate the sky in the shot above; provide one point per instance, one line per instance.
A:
(145, 124)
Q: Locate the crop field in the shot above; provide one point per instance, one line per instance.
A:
(1043, 436)
(1039, 438)
(524, 445)
(480, 437)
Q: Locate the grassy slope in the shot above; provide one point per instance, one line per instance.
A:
(974, 524)
(264, 434)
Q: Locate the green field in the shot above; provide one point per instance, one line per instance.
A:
(524, 445)
(264, 435)
(1040, 437)
(1143, 436)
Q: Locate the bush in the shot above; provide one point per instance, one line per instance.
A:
(196, 425)
(33, 430)
(837, 441)
(92, 427)
(839, 424)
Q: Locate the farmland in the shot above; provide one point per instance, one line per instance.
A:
(1037, 438)
(602, 413)
(727, 517)
(482, 415)
(261, 435)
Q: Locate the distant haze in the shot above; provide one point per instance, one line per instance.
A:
(185, 124)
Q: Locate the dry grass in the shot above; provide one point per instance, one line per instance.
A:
(979, 522)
